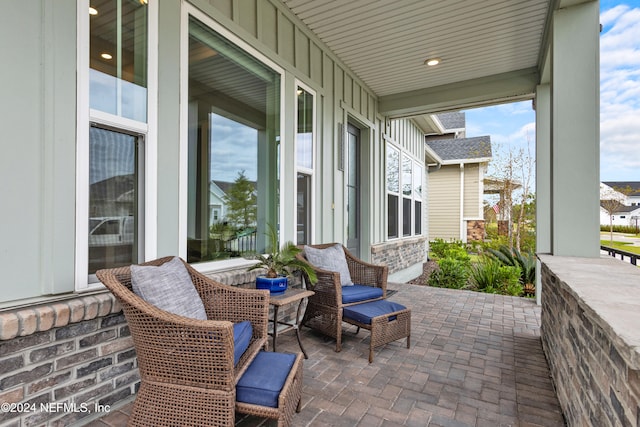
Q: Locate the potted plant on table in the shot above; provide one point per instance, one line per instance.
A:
(280, 263)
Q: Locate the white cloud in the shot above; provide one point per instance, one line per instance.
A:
(620, 94)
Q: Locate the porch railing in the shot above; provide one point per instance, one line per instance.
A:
(633, 258)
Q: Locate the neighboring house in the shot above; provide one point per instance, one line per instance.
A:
(625, 216)
(629, 189)
(628, 194)
(456, 185)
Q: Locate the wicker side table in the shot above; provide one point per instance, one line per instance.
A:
(290, 296)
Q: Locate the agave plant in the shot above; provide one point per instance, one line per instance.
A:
(282, 261)
(512, 257)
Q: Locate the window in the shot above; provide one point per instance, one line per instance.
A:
(118, 58)
(417, 195)
(407, 194)
(304, 163)
(113, 127)
(393, 190)
(233, 148)
(114, 198)
(404, 194)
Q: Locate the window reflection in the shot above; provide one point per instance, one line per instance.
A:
(113, 199)
(233, 148)
(118, 58)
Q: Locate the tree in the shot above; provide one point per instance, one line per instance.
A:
(241, 201)
(514, 169)
(526, 165)
(611, 200)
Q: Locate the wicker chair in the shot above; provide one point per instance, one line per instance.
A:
(324, 308)
(186, 365)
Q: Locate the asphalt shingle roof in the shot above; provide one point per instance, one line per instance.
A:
(634, 185)
(452, 121)
(462, 148)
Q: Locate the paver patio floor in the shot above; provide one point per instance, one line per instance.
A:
(475, 360)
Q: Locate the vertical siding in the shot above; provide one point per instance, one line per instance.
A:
(444, 203)
(37, 165)
(472, 191)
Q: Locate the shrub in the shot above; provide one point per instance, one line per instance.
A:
(629, 229)
(513, 258)
(455, 249)
(452, 273)
(493, 277)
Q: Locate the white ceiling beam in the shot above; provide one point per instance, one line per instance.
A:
(499, 88)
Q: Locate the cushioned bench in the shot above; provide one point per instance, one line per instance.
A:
(387, 320)
(271, 387)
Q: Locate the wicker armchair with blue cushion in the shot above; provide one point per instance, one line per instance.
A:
(343, 280)
(194, 338)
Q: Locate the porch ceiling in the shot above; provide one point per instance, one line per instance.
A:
(490, 50)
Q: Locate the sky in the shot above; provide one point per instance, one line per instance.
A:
(513, 125)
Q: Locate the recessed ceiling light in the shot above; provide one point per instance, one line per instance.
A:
(106, 56)
(432, 61)
(93, 11)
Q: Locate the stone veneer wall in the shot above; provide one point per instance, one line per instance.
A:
(475, 230)
(590, 318)
(73, 357)
(400, 254)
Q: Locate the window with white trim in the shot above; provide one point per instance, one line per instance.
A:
(404, 194)
(393, 191)
(112, 135)
(233, 147)
(305, 135)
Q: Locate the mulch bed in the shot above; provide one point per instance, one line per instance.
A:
(427, 268)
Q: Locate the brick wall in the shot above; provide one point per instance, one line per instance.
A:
(65, 361)
(400, 254)
(595, 370)
(475, 231)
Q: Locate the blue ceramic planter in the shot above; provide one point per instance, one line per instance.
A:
(275, 286)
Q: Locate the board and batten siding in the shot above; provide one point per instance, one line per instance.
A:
(270, 27)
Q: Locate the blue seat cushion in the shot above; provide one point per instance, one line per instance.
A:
(357, 293)
(263, 380)
(242, 333)
(366, 311)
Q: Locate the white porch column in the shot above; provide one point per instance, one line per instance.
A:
(575, 131)
(543, 168)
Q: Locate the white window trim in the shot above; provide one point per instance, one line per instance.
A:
(189, 10)
(397, 149)
(416, 164)
(303, 170)
(85, 116)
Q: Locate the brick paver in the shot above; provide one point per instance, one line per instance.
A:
(475, 360)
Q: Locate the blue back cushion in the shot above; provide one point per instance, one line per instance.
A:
(364, 312)
(357, 293)
(242, 333)
(263, 380)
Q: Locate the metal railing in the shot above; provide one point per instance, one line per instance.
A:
(633, 258)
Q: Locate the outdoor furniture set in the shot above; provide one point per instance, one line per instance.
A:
(352, 291)
(200, 348)
(201, 345)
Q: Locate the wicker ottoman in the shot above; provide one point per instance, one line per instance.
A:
(271, 387)
(388, 321)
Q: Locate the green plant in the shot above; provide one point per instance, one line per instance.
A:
(514, 258)
(456, 249)
(452, 273)
(491, 276)
(281, 260)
